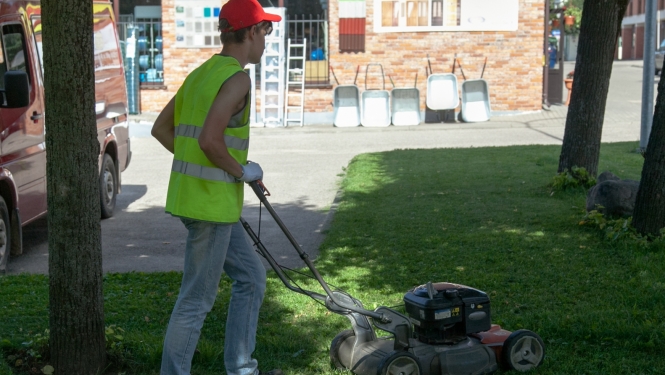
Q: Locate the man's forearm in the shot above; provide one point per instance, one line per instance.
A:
(165, 136)
(223, 160)
(163, 129)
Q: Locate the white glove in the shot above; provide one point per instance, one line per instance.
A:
(251, 172)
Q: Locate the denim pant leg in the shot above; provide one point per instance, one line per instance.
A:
(205, 253)
(244, 267)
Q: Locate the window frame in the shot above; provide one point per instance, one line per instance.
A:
(26, 53)
(147, 29)
(509, 11)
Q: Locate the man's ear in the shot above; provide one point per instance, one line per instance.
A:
(252, 32)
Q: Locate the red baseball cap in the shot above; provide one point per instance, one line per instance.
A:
(244, 13)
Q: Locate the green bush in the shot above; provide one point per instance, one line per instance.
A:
(575, 178)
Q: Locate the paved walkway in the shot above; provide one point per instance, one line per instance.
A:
(303, 166)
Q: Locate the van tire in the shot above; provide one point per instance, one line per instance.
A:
(108, 186)
(17, 234)
(5, 235)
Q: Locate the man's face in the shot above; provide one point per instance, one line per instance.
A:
(259, 31)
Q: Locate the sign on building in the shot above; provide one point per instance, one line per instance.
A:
(197, 23)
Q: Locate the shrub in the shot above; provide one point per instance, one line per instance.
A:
(575, 178)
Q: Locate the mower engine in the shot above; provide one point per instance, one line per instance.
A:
(447, 313)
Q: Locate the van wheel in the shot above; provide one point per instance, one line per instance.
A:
(5, 235)
(108, 186)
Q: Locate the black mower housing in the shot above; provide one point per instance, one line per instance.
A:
(446, 313)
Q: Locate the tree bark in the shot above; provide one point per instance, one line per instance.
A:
(599, 31)
(649, 212)
(77, 344)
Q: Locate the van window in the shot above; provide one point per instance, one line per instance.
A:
(3, 66)
(37, 33)
(13, 50)
(107, 55)
(107, 58)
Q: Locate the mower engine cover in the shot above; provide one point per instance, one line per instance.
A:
(446, 313)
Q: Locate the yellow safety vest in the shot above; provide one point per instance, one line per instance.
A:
(197, 188)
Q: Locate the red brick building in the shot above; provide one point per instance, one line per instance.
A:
(632, 29)
(399, 34)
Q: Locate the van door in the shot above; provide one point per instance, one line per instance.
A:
(22, 143)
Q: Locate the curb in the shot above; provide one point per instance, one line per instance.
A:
(327, 223)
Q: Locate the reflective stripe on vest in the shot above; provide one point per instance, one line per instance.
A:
(193, 131)
(199, 171)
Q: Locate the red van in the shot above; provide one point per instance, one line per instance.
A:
(22, 145)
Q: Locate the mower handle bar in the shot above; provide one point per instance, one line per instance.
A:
(258, 188)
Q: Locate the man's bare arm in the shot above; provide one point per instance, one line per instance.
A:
(164, 128)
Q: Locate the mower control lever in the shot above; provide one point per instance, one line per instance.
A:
(264, 189)
(342, 303)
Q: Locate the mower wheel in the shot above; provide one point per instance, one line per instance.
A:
(523, 350)
(400, 363)
(335, 347)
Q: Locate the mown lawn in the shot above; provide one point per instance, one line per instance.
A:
(484, 217)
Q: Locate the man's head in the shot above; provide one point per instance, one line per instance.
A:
(238, 16)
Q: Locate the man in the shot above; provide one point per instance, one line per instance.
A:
(206, 127)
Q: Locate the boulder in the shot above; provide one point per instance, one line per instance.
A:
(607, 175)
(616, 196)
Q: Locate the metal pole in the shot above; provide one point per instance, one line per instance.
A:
(546, 55)
(648, 72)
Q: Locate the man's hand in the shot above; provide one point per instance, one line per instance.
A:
(251, 172)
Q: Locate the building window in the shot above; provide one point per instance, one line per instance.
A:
(437, 12)
(313, 29)
(149, 49)
(141, 41)
(445, 15)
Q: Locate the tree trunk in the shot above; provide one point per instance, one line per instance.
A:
(599, 31)
(649, 212)
(76, 302)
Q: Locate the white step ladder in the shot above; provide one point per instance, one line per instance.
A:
(272, 74)
(294, 103)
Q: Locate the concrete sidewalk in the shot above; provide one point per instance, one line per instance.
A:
(303, 167)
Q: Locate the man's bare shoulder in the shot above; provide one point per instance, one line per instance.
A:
(234, 91)
(239, 81)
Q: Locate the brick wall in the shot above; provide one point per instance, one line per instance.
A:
(514, 60)
(178, 62)
(514, 69)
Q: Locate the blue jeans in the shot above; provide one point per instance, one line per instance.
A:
(210, 249)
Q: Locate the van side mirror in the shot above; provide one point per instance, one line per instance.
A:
(17, 90)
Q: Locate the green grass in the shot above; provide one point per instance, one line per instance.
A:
(483, 217)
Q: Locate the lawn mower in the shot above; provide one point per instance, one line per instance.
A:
(446, 329)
